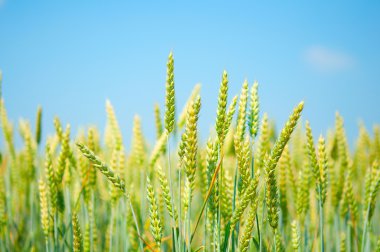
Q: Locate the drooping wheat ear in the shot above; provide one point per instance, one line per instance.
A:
(253, 117)
(114, 125)
(158, 121)
(271, 162)
(39, 125)
(295, 236)
(103, 168)
(155, 222)
(249, 194)
(193, 95)
(77, 234)
(64, 154)
(51, 179)
(44, 209)
(242, 114)
(170, 95)
(138, 153)
(243, 156)
(323, 167)
(248, 228)
(263, 144)
(191, 144)
(166, 192)
(159, 148)
(222, 107)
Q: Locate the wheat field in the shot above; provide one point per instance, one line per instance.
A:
(247, 187)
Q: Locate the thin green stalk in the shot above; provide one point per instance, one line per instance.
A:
(321, 225)
(205, 201)
(31, 200)
(262, 221)
(364, 237)
(111, 228)
(252, 176)
(234, 205)
(70, 231)
(180, 211)
(220, 193)
(189, 222)
(135, 220)
(56, 231)
(174, 228)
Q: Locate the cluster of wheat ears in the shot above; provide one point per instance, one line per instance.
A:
(248, 188)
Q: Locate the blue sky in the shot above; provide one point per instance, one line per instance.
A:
(70, 56)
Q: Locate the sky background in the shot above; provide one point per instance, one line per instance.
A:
(70, 56)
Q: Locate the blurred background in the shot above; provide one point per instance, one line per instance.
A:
(69, 57)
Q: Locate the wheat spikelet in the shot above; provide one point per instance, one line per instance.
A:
(155, 222)
(158, 121)
(190, 154)
(170, 95)
(77, 234)
(375, 186)
(230, 115)
(138, 153)
(284, 168)
(243, 155)
(38, 125)
(253, 116)
(249, 194)
(166, 192)
(182, 117)
(242, 114)
(295, 236)
(323, 167)
(159, 147)
(222, 107)
(271, 162)
(246, 237)
(263, 144)
(44, 209)
(114, 125)
(103, 168)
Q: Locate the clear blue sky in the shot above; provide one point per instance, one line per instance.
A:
(71, 56)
